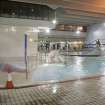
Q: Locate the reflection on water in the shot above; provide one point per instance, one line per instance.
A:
(77, 67)
(55, 57)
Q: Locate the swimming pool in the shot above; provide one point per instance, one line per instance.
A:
(75, 68)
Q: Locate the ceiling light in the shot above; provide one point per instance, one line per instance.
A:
(47, 30)
(30, 39)
(77, 32)
(54, 21)
(80, 28)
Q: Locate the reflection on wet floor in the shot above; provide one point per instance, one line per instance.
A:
(81, 92)
(75, 68)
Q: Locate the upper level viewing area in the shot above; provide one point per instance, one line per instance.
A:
(13, 9)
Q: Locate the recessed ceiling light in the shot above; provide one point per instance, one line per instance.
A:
(48, 30)
(80, 28)
(77, 32)
(30, 39)
(54, 21)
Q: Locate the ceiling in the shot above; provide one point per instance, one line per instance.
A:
(79, 12)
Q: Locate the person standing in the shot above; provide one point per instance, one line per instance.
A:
(98, 43)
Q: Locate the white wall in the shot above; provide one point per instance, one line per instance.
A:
(95, 32)
(12, 32)
(11, 43)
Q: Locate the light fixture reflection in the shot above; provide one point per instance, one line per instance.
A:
(78, 60)
(54, 89)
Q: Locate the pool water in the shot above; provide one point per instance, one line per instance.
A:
(74, 68)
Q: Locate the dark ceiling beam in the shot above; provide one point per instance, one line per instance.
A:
(74, 21)
(78, 19)
(82, 18)
(83, 13)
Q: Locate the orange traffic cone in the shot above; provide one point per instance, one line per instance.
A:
(9, 83)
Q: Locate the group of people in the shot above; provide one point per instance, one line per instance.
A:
(46, 46)
(64, 46)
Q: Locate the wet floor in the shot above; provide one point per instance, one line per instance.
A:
(74, 68)
(81, 92)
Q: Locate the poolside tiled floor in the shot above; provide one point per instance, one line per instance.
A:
(82, 92)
